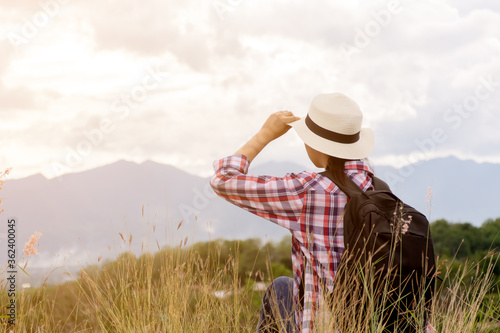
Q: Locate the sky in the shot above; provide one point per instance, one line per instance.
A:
(85, 83)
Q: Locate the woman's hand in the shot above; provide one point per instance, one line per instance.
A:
(277, 125)
(274, 127)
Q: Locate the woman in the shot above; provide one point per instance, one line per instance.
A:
(308, 204)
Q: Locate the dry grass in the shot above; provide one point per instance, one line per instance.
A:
(173, 291)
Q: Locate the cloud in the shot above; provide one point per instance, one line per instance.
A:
(19, 97)
(19, 6)
(150, 30)
(7, 52)
(292, 20)
(466, 7)
(225, 76)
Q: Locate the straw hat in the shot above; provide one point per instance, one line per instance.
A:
(333, 127)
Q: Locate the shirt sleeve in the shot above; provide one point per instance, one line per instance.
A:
(277, 199)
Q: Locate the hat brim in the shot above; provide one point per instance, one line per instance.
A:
(351, 151)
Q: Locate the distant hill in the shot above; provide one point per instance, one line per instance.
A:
(81, 216)
(463, 190)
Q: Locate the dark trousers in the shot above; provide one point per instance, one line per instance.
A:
(277, 310)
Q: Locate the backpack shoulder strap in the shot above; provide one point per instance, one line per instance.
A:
(351, 189)
(380, 185)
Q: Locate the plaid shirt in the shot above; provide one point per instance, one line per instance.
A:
(310, 206)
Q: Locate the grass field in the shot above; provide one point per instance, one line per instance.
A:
(174, 290)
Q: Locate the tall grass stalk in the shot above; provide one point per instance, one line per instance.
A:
(174, 290)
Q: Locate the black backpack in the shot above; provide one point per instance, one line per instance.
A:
(389, 243)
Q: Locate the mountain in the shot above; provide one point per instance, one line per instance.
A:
(462, 190)
(82, 215)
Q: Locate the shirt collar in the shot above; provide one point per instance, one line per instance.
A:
(359, 165)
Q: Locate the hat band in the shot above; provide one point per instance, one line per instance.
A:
(330, 135)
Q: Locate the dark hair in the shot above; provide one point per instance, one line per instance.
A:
(335, 167)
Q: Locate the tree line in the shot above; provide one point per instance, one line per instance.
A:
(464, 240)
